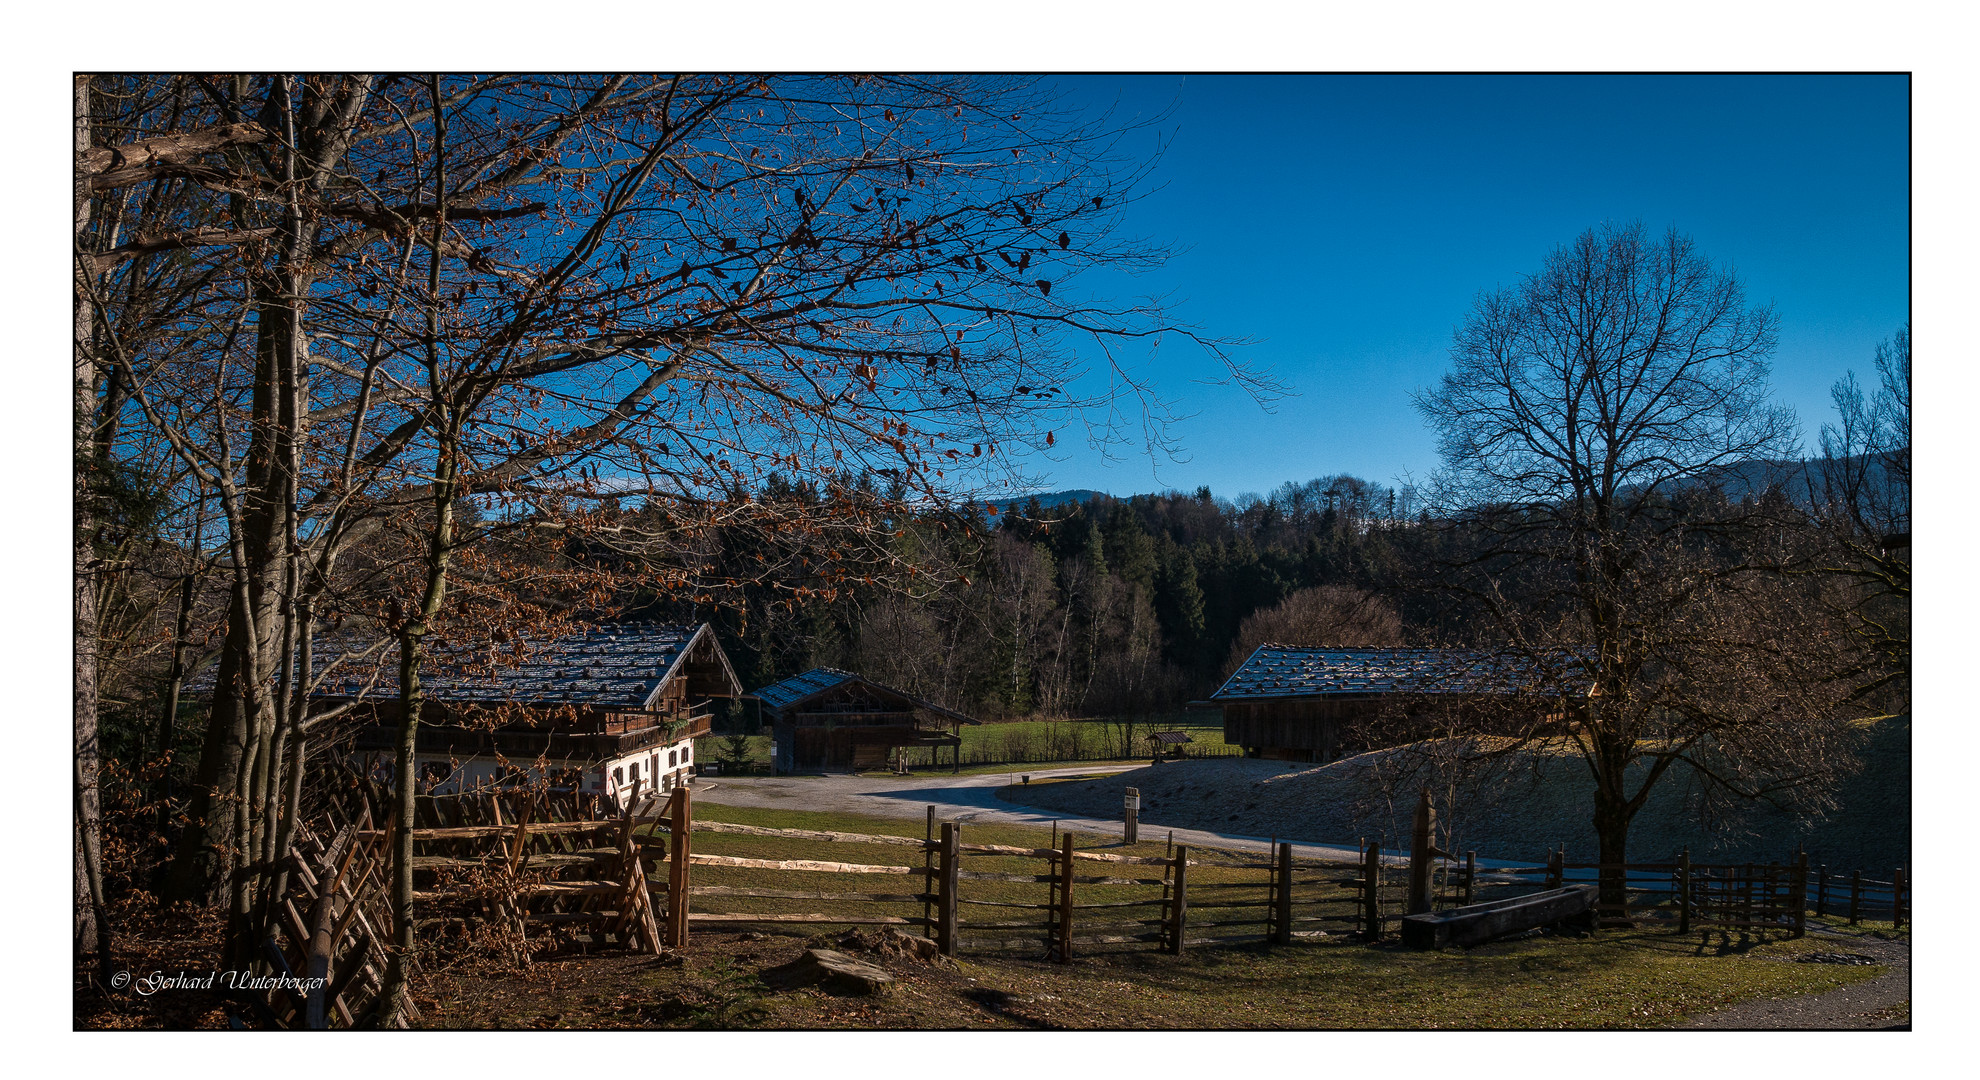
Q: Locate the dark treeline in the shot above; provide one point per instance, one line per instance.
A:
(1134, 606)
(1096, 608)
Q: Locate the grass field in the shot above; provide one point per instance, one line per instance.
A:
(1089, 769)
(1611, 979)
(1013, 739)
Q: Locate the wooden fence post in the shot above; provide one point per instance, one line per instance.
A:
(1282, 912)
(1470, 875)
(1422, 841)
(1371, 890)
(1179, 900)
(927, 877)
(1065, 898)
(1798, 890)
(1822, 890)
(636, 902)
(945, 905)
(1855, 895)
(681, 822)
(1168, 869)
(1684, 891)
(1897, 898)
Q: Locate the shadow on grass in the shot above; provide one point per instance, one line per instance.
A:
(1001, 1004)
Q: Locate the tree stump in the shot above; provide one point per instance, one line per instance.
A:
(833, 970)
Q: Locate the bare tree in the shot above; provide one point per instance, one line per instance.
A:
(1861, 489)
(1590, 409)
(1332, 616)
(640, 297)
(92, 927)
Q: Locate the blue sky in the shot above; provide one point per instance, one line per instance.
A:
(1347, 222)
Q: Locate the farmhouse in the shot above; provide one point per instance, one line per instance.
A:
(831, 719)
(598, 711)
(1294, 703)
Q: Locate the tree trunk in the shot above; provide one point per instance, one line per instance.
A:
(204, 855)
(92, 922)
(175, 681)
(1612, 817)
(298, 706)
(395, 993)
(405, 781)
(234, 758)
(269, 796)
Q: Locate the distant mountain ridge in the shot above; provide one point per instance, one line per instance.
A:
(1799, 480)
(1046, 499)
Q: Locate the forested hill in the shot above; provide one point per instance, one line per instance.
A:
(1049, 500)
(1094, 605)
(1078, 603)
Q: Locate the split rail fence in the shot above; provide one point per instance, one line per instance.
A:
(1742, 896)
(559, 865)
(973, 897)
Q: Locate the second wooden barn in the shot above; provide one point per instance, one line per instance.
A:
(827, 719)
(1295, 703)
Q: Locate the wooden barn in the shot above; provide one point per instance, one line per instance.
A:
(1294, 703)
(826, 719)
(599, 711)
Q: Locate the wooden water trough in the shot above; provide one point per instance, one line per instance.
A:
(1480, 923)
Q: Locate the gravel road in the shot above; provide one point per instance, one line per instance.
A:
(965, 799)
(1882, 1003)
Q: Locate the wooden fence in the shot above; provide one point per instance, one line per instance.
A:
(1858, 897)
(1058, 901)
(331, 952)
(1745, 896)
(557, 861)
(1131, 899)
(546, 859)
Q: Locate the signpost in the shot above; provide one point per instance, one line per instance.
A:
(1132, 811)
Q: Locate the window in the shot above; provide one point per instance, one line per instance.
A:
(432, 774)
(687, 754)
(671, 755)
(633, 774)
(618, 778)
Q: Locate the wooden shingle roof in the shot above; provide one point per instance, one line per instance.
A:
(1292, 671)
(786, 695)
(624, 666)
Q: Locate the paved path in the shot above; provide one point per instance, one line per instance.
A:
(974, 798)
